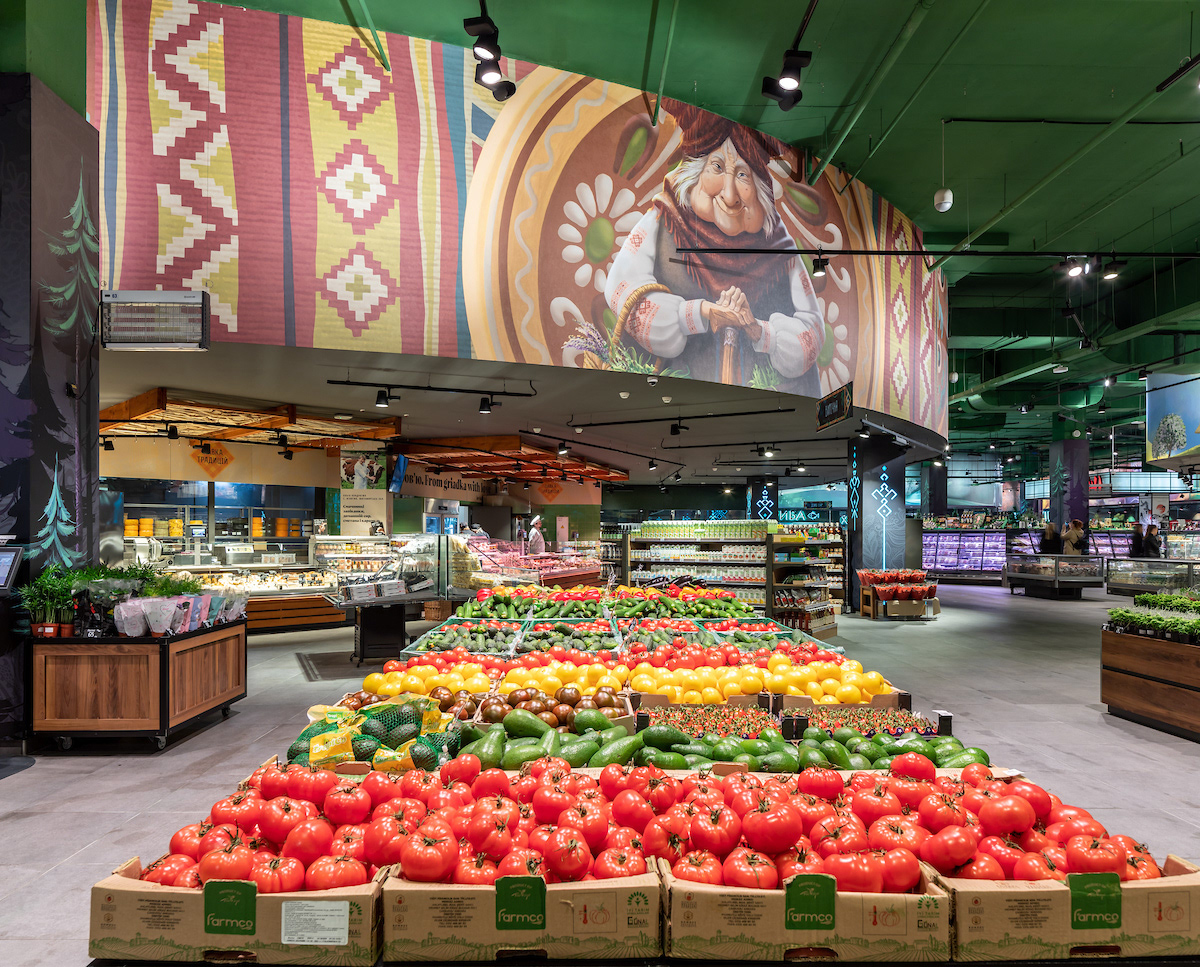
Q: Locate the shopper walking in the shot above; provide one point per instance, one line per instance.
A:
(1074, 539)
(1050, 542)
(1152, 545)
(1137, 542)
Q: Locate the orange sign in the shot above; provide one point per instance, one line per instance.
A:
(550, 489)
(215, 462)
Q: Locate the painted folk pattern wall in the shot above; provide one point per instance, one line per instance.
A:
(324, 201)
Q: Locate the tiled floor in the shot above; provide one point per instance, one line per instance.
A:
(1020, 675)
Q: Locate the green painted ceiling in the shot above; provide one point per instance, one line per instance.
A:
(1030, 82)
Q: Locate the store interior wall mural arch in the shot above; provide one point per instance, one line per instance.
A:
(410, 212)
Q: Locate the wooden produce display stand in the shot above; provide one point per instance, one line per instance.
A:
(124, 687)
(1151, 681)
(292, 612)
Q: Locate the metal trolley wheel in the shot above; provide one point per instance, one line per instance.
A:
(64, 742)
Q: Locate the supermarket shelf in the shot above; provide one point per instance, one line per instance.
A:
(688, 560)
(695, 540)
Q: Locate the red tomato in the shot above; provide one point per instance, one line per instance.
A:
(218, 837)
(381, 786)
(856, 873)
(771, 827)
(1031, 841)
(631, 809)
(491, 782)
(976, 773)
(1002, 851)
(409, 813)
(477, 870)
(838, 834)
(1061, 812)
(910, 792)
(549, 802)
(888, 834)
(567, 854)
(498, 808)
(231, 863)
(1059, 833)
(311, 784)
(1036, 796)
(591, 819)
(189, 878)
(981, 867)
(939, 811)
(348, 840)
(948, 848)
(901, 870)
(1139, 866)
(428, 856)
(281, 874)
(523, 788)
(913, 766)
(331, 872)
(522, 862)
(187, 840)
(874, 803)
(241, 810)
(1008, 814)
(417, 784)
(699, 866)
(1035, 866)
(1131, 845)
(489, 834)
(822, 783)
(308, 840)
(716, 829)
(347, 804)
(612, 863)
(383, 839)
(747, 868)
(613, 779)
(797, 860)
(1088, 854)
(272, 783)
(166, 869)
(663, 838)
(811, 809)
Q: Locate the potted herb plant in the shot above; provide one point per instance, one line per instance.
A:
(37, 598)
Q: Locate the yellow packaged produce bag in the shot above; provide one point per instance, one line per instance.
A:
(330, 748)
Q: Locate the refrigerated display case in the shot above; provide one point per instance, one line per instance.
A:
(509, 562)
(1182, 544)
(1148, 575)
(1054, 575)
(963, 555)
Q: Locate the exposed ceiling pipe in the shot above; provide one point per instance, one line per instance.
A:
(912, 98)
(1112, 128)
(1178, 319)
(380, 50)
(881, 72)
(662, 76)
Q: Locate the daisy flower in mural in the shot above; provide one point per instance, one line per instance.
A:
(596, 226)
(836, 354)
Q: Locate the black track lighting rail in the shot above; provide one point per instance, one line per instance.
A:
(681, 418)
(414, 387)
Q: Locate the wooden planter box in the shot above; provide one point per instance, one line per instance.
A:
(1151, 681)
(134, 686)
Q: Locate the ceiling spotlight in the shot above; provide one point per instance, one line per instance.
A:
(504, 90)
(1143, 373)
(206, 448)
(172, 432)
(678, 476)
(578, 429)
(786, 99)
(537, 429)
(1059, 369)
(662, 488)
(794, 61)
(768, 453)
(343, 416)
(488, 74)
(653, 464)
(728, 490)
(937, 462)
(624, 394)
(864, 433)
(485, 405)
(761, 451)
(563, 449)
(943, 199)
(1074, 269)
(1107, 381)
(800, 469)
(1010, 459)
(287, 454)
(787, 471)
(381, 399)
(677, 428)
(108, 445)
(991, 446)
(666, 399)
(1102, 408)
(526, 485)
(281, 440)
(819, 264)
(1024, 408)
(770, 483)
(1112, 268)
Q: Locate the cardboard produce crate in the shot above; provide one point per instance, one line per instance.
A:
(896, 698)
(135, 920)
(1091, 914)
(601, 920)
(808, 919)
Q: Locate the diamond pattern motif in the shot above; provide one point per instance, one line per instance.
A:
(358, 187)
(353, 82)
(360, 289)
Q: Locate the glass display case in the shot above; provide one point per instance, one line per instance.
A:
(349, 555)
(509, 562)
(1182, 544)
(1148, 575)
(261, 581)
(1063, 575)
(964, 554)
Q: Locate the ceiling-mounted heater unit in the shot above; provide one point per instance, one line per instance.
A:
(173, 321)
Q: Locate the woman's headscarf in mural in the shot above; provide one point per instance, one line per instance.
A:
(702, 134)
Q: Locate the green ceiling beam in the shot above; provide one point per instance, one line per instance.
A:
(1103, 135)
(881, 72)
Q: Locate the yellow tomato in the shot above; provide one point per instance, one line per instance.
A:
(801, 676)
(852, 666)
(507, 687)
(621, 673)
(478, 683)
(595, 673)
(373, 682)
(688, 679)
(518, 676)
(387, 689)
(872, 682)
(731, 687)
(820, 669)
(413, 683)
(551, 684)
(707, 677)
(672, 692)
(794, 690)
(469, 668)
(827, 700)
(394, 678)
(642, 683)
(776, 684)
(610, 681)
(752, 682)
(884, 689)
(777, 661)
(848, 695)
(455, 682)
(423, 671)
(691, 697)
(813, 690)
(852, 678)
(830, 686)
(711, 696)
(643, 668)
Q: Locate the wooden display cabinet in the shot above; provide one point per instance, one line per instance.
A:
(1151, 681)
(134, 686)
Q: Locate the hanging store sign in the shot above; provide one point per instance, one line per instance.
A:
(835, 407)
(215, 461)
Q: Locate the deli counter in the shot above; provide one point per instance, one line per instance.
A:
(1054, 575)
(978, 556)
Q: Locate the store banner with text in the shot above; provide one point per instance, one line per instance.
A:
(365, 499)
(410, 212)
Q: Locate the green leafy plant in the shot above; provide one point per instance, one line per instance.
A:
(165, 586)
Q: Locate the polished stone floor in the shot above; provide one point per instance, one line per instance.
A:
(1020, 675)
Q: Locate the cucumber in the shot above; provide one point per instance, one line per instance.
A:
(619, 752)
(663, 736)
(579, 754)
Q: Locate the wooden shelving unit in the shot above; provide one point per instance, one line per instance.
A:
(814, 595)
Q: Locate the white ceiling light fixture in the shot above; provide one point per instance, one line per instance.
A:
(943, 198)
(624, 394)
(666, 399)
(343, 416)
(1060, 369)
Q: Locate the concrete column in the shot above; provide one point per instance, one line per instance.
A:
(933, 489)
